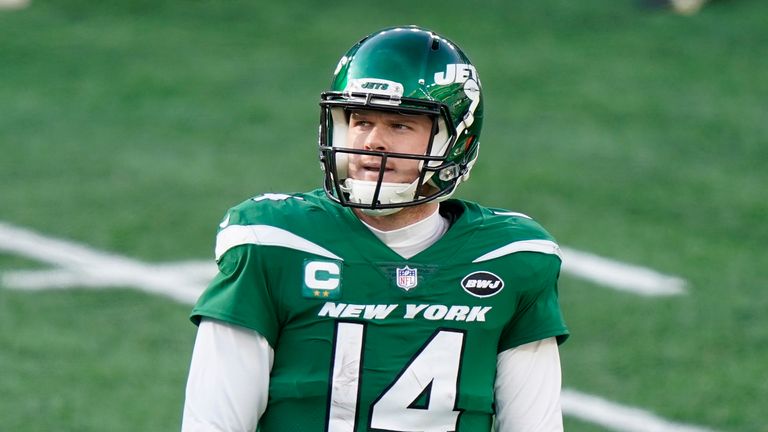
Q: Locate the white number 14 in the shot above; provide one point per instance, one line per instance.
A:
(422, 397)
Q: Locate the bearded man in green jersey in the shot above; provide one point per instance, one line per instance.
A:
(378, 303)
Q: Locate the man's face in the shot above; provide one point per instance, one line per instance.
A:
(388, 132)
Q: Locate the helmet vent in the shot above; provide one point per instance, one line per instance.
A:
(435, 44)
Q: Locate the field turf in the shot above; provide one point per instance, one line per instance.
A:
(640, 135)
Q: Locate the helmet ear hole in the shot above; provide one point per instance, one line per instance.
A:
(470, 145)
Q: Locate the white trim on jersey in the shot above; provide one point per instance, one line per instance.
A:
(511, 213)
(540, 246)
(266, 235)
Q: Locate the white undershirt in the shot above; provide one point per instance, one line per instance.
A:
(411, 240)
(228, 379)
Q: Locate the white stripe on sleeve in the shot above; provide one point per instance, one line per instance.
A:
(266, 235)
(540, 246)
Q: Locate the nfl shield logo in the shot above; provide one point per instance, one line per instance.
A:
(406, 278)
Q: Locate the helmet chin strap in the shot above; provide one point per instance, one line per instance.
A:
(380, 212)
(361, 192)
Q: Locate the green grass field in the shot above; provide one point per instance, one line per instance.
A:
(130, 126)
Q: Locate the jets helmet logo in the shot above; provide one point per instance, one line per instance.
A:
(482, 284)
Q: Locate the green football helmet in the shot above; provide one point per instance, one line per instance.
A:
(406, 70)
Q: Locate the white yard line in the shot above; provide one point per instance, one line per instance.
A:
(184, 281)
(81, 266)
(620, 276)
(615, 417)
(14, 4)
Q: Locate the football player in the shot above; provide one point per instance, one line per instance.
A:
(378, 303)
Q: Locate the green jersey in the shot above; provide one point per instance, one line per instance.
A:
(366, 340)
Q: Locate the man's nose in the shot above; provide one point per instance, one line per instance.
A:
(376, 139)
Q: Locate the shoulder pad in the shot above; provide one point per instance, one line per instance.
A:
(273, 220)
(506, 232)
(263, 209)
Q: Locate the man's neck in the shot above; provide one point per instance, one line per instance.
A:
(403, 218)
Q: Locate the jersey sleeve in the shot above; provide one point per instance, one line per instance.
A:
(538, 314)
(240, 294)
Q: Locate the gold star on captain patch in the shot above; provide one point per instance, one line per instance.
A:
(317, 293)
(325, 293)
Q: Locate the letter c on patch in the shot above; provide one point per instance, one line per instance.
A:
(322, 275)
